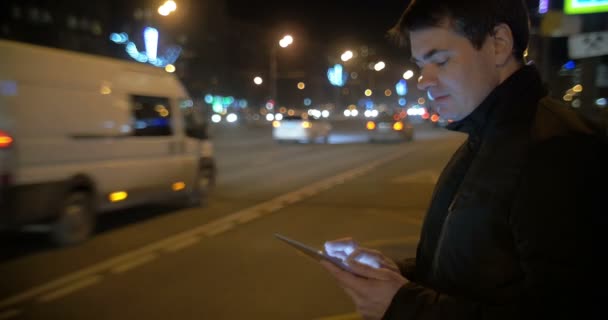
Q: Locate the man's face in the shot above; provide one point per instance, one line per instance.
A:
(457, 76)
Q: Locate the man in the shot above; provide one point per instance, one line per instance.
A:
(512, 228)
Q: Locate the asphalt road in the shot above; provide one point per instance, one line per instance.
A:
(221, 261)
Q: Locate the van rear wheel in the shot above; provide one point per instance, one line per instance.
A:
(76, 220)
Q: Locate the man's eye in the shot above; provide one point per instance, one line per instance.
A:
(443, 63)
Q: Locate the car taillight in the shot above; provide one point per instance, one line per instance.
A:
(398, 126)
(5, 140)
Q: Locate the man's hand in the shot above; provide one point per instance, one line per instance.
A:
(348, 251)
(375, 279)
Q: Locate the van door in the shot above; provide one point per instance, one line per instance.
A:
(158, 143)
(187, 148)
(198, 145)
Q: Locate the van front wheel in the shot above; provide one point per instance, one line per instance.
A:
(76, 220)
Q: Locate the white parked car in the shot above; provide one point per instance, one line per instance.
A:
(82, 134)
(298, 129)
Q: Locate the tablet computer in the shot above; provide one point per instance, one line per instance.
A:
(313, 253)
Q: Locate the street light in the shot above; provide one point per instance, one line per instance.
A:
(408, 74)
(171, 5)
(379, 66)
(347, 55)
(258, 80)
(167, 8)
(288, 39)
(285, 42)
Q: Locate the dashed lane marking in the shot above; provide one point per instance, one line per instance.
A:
(62, 292)
(183, 244)
(136, 262)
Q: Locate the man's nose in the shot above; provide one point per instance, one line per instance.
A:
(427, 79)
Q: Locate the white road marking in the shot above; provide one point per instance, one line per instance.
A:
(208, 229)
(182, 244)
(341, 181)
(62, 292)
(274, 207)
(9, 314)
(219, 230)
(128, 265)
(248, 218)
(293, 199)
(309, 193)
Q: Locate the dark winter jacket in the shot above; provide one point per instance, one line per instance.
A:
(516, 224)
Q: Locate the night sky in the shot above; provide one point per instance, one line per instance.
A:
(329, 20)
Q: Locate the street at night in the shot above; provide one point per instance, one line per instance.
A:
(158, 158)
(222, 261)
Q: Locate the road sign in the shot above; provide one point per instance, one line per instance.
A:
(586, 45)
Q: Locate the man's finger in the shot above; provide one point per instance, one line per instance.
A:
(366, 271)
(344, 247)
(366, 256)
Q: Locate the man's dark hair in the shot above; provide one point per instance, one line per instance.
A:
(473, 19)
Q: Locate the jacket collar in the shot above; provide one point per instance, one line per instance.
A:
(523, 88)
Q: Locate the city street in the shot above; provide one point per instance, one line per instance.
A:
(222, 261)
(154, 155)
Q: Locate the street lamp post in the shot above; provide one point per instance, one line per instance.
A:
(273, 75)
(283, 43)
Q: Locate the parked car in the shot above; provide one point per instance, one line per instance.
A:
(83, 134)
(299, 129)
(389, 128)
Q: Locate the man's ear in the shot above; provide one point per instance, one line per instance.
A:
(503, 44)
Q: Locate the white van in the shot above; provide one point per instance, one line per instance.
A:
(82, 134)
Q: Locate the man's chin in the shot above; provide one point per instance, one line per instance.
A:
(444, 113)
(450, 116)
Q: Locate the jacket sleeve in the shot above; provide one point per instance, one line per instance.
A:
(407, 267)
(556, 235)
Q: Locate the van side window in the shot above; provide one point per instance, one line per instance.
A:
(151, 116)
